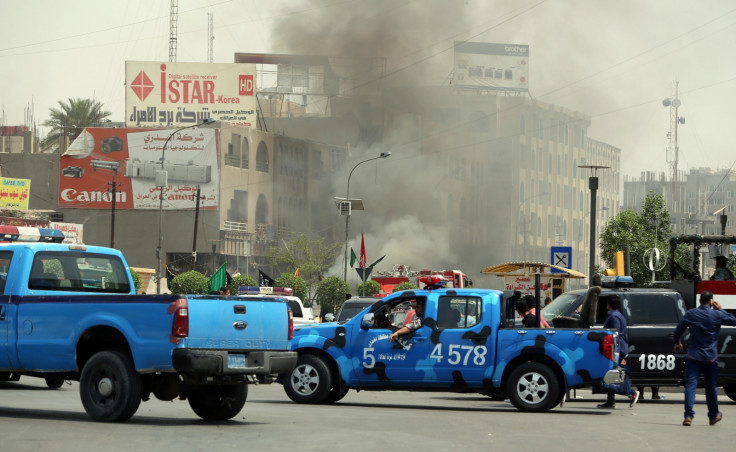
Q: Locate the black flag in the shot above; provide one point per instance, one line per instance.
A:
(264, 280)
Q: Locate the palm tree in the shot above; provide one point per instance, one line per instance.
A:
(71, 119)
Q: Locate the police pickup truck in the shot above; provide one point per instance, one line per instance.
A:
(467, 343)
(652, 315)
(69, 312)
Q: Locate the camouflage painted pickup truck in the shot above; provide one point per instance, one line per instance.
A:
(467, 342)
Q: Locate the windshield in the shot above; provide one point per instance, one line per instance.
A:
(566, 304)
(348, 311)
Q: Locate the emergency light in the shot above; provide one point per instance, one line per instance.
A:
(26, 234)
(255, 290)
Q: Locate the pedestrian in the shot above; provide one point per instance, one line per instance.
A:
(616, 321)
(704, 323)
(528, 319)
(531, 305)
(224, 290)
(722, 272)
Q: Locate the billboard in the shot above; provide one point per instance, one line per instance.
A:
(73, 232)
(164, 94)
(482, 65)
(132, 159)
(14, 193)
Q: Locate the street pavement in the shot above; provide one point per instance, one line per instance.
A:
(34, 418)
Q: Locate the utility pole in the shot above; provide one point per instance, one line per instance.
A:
(196, 221)
(113, 189)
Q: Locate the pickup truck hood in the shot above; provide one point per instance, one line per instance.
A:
(234, 323)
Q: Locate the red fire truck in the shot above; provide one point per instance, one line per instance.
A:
(402, 273)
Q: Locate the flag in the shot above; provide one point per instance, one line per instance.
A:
(353, 257)
(219, 278)
(361, 261)
(296, 273)
(379, 260)
(264, 280)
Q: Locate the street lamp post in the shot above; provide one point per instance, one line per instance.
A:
(593, 186)
(162, 184)
(347, 214)
(582, 222)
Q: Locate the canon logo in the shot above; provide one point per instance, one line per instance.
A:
(71, 194)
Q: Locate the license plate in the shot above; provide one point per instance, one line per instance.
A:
(236, 361)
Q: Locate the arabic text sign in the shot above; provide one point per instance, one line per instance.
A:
(14, 193)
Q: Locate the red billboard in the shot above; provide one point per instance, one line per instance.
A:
(129, 163)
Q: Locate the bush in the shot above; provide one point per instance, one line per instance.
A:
(136, 279)
(331, 293)
(371, 288)
(191, 282)
(240, 280)
(406, 285)
(296, 283)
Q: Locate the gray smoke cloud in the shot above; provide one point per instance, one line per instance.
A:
(405, 218)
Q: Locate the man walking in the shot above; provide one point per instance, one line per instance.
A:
(702, 354)
(616, 321)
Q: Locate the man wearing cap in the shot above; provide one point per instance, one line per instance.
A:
(722, 272)
(704, 323)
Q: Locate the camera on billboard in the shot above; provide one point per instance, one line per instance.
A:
(113, 143)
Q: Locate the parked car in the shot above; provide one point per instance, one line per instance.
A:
(353, 306)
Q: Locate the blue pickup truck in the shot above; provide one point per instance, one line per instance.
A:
(70, 312)
(468, 342)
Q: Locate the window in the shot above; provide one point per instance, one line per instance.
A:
(78, 272)
(5, 258)
(651, 309)
(458, 312)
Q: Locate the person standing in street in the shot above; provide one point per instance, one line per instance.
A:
(704, 323)
(616, 321)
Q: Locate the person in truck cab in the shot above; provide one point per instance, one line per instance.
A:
(722, 272)
(414, 324)
(704, 323)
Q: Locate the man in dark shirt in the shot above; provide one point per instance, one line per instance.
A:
(704, 323)
(616, 321)
(528, 319)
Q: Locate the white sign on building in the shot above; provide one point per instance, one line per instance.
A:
(483, 65)
(163, 94)
(73, 232)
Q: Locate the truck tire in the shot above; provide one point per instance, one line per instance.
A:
(109, 387)
(533, 387)
(218, 402)
(730, 391)
(54, 383)
(310, 381)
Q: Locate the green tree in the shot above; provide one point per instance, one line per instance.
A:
(331, 293)
(312, 257)
(71, 118)
(240, 280)
(190, 282)
(371, 288)
(640, 232)
(297, 284)
(406, 285)
(136, 279)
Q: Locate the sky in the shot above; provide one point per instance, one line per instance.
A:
(613, 61)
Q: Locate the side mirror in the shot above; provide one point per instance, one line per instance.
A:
(367, 321)
(329, 317)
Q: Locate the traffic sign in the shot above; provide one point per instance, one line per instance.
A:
(561, 256)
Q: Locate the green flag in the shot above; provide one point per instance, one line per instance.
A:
(219, 279)
(353, 258)
(379, 260)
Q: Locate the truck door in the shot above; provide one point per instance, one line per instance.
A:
(459, 352)
(652, 319)
(398, 363)
(7, 313)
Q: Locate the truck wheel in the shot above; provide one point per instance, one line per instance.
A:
(218, 402)
(310, 381)
(54, 383)
(730, 391)
(109, 387)
(533, 387)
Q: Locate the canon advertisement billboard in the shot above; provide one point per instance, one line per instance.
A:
(131, 158)
(489, 66)
(181, 94)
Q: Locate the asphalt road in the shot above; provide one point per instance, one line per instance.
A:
(33, 418)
